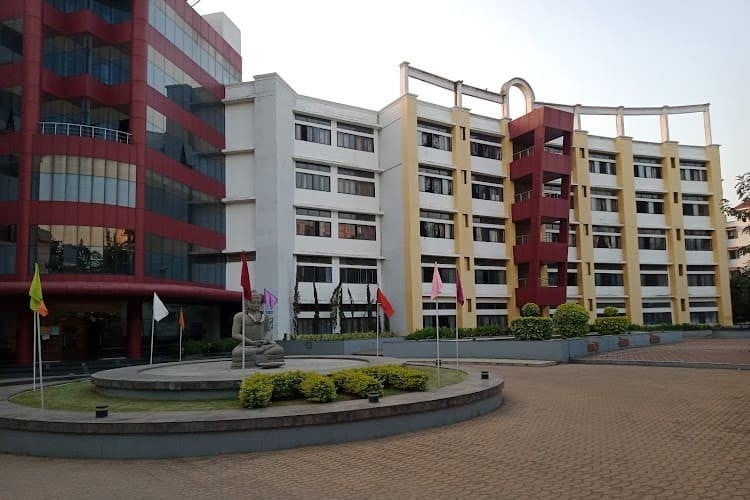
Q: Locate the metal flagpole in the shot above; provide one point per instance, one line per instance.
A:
(180, 342)
(377, 329)
(456, 331)
(437, 341)
(243, 330)
(39, 346)
(151, 356)
(33, 379)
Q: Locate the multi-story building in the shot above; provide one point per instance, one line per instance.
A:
(527, 210)
(737, 238)
(111, 171)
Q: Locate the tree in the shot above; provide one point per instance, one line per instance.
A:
(316, 316)
(295, 307)
(741, 211)
(739, 285)
(335, 306)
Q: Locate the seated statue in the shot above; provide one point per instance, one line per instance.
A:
(260, 349)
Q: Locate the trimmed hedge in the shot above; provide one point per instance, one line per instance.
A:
(531, 328)
(480, 331)
(399, 377)
(192, 347)
(617, 325)
(286, 385)
(610, 312)
(340, 336)
(256, 391)
(317, 387)
(530, 310)
(571, 320)
(356, 382)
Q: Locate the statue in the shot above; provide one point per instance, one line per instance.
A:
(260, 349)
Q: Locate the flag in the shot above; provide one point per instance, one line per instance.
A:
(269, 299)
(36, 303)
(459, 289)
(383, 301)
(181, 320)
(437, 284)
(245, 280)
(160, 310)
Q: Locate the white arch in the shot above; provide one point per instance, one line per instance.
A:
(526, 90)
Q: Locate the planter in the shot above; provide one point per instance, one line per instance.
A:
(593, 346)
(623, 342)
(654, 339)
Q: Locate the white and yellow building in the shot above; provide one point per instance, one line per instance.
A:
(328, 193)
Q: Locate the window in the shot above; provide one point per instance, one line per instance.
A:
(698, 240)
(649, 203)
(652, 239)
(704, 317)
(693, 171)
(312, 268)
(313, 227)
(654, 275)
(435, 180)
(313, 181)
(7, 248)
(355, 186)
(8, 177)
(486, 187)
(355, 140)
(607, 237)
(489, 272)
(432, 135)
(431, 228)
(694, 205)
(350, 231)
(489, 229)
(701, 276)
(179, 201)
(732, 233)
(603, 200)
(602, 163)
(310, 133)
(485, 146)
(656, 318)
(608, 275)
(648, 168)
(358, 271)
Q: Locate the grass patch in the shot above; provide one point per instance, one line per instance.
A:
(81, 396)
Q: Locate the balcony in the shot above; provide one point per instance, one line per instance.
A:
(543, 251)
(540, 293)
(549, 207)
(530, 160)
(79, 130)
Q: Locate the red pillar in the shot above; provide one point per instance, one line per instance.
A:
(24, 336)
(135, 327)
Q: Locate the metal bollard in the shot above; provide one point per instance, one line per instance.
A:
(485, 375)
(102, 411)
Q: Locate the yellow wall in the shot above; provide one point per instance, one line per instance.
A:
(584, 243)
(509, 192)
(463, 219)
(719, 238)
(410, 190)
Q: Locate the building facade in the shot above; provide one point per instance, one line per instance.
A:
(738, 237)
(527, 210)
(112, 171)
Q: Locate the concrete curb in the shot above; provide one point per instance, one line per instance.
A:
(669, 364)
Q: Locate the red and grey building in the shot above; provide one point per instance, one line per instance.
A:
(112, 172)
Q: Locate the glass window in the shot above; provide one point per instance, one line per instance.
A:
(8, 177)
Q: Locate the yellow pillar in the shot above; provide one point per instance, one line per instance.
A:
(509, 192)
(719, 238)
(410, 190)
(464, 235)
(675, 235)
(584, 243)
(629, 220)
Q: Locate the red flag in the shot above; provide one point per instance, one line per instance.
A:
(459, 289)
(181, 320)
(383, 301)
(245, 280)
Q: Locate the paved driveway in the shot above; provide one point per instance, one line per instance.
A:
(568, 431)
(712, 352)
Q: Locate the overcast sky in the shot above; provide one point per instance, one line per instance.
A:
(624, 53)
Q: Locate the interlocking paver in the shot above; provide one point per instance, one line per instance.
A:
(714, 351)
(569, 431)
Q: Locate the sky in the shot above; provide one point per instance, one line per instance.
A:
(597, 53)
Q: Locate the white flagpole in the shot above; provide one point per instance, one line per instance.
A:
(33, 364)
(180, 342)
(39, 346)
(151, 357)
(437, 340)
(457, 331)
(243, 330)
(377, 329)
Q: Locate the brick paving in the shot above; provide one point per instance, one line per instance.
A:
(714, 351)
(568, 431)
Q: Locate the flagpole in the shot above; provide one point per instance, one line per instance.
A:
(437, 340)
(180, 342)
(39, 346)
(33, 379)
(377, 328)
(151, 356)
(243, 331)
(456, 331)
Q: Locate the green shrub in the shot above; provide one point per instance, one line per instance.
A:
(341, 336)
(317, 387)
(399, 377)
(356, 382)
(618, 325)
(530, 310)
(286, 385)
(192, 347)
(571, 320)
(610, 312)
(256, 391)
(531, 328)
(429, 333)
(224, 345)
(450, 333)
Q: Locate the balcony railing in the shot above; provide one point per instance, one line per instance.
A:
(522, 239)
(554, 151)
(551, 237)
(552, 194)
(79, 130)
(550, 281)
(526, 195)
(523, 153)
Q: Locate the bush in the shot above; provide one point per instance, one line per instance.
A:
(341, 336)
(571, 320)
(399, 377)
(256, 391)
(224, 345)
(610, 312)
(356, 382)
(192, 347)
(429, 333)
(286, 385)
(618, 325)
(531, 328)
(317, 387)
(481, 331)
(530, 310)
